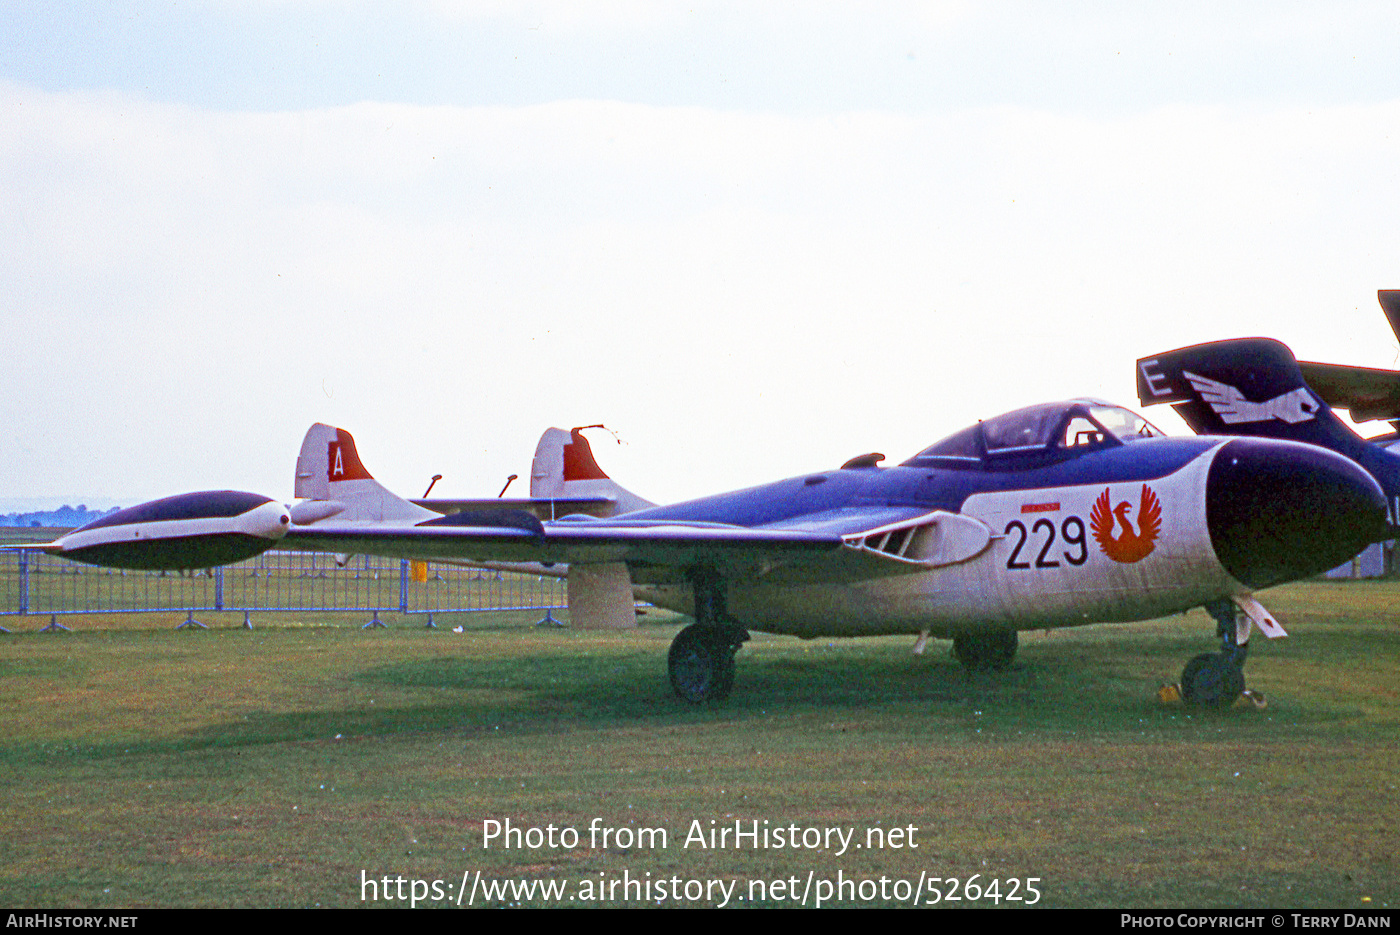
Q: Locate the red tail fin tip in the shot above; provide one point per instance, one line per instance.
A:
(342, 461)
(578, 458)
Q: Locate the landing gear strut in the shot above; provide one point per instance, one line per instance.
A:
(985, 649)
(701, 660)
(1215, 680)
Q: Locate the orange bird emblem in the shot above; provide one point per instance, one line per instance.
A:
(1130, 545)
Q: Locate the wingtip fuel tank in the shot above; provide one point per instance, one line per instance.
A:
(191, 530)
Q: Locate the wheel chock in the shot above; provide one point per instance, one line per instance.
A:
(1251, 700)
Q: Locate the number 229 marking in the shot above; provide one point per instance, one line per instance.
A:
(1071, 531)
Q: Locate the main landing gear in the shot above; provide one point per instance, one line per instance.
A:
(985, 649)
(1215, 680)
(701, 660)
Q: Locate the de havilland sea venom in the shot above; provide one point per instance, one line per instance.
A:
(1055, 515)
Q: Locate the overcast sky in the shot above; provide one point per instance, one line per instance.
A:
(753, 239)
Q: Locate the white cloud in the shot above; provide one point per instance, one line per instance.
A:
(742, 296)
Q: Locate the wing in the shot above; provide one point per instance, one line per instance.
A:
(1366, 393)
(731, 548)
(839, 545)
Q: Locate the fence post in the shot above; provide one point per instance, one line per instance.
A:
(403, 585)
(219, 588)
(24, 581)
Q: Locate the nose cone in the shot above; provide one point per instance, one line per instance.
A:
(1280, 511)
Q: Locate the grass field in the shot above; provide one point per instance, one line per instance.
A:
(285, 765)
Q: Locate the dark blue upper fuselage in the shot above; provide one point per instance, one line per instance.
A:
(932, 488)
(1275, 511)
(1065, 446)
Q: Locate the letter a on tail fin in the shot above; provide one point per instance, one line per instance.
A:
(565, 469)
(331, 481)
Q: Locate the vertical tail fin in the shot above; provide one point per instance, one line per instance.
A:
(331, 481)
(564, 468)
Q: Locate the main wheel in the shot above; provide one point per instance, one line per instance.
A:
(1211, 680)
(701, 663)
(985, 649)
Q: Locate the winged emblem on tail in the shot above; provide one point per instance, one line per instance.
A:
(1229, 403)
(1129, 545)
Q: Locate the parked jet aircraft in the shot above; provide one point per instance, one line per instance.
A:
(1055, 515)
(1255, 386)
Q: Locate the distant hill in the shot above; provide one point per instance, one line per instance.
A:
(65, 517)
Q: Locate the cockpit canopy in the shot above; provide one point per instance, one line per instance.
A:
(1047, 431)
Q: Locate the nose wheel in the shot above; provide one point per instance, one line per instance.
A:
(1215, 680)
(1211, 680)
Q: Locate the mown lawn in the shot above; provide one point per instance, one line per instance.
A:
(290, 764)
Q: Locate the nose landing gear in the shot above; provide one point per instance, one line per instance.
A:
(1215, 680)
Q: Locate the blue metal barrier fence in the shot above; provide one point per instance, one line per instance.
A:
(33, 582)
